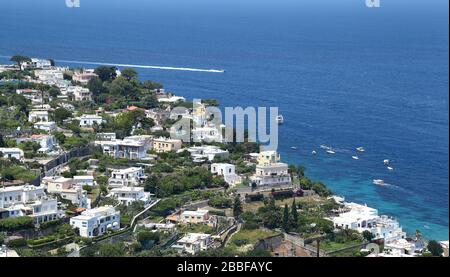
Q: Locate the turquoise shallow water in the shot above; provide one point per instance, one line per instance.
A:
(341, 74)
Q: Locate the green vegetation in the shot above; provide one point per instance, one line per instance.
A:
(16, 223)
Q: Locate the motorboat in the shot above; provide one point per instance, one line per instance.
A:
(390, 168)
(293, 147)
(355, 157)
(378, 182)
(314, 152)
(386, 162)
(331, 152)
(360, 149)
(280, 119)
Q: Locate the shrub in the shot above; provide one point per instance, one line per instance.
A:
(240, 242)
(17, 243)
(16, 223)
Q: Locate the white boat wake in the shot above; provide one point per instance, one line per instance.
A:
(145, 66)
(139, 66)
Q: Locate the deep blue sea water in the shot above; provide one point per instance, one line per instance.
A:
(342, 75)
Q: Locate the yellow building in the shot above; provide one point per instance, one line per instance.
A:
(268, 157)
(166, 145)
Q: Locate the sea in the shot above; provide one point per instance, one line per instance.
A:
(342, 74)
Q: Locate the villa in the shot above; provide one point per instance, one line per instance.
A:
(209, 152)
(8, 153)
(362, 218)
(28, 201)
(84, 180)
(66, 188)
(128, 195)
(268, 157)
(134, 147)
(193, 243)
(38, 116)
(270, 171)
(36, 63)
(89, 120)
(157, 115)
(80, 93)
(84, 77)
(96, 222)
(128, 177)
(166, 144)
(49, 126)
(228, 171)
(208, 133)
(194, 217)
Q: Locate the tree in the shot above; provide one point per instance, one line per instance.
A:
(95, 85)
(54, 92)
(106, 73)
(20, 59)
(294, 212)
(112, 250)
(286, 218)
(237, 206)
(62, 114)
(129, 73)
(367, 235)
(435, 248)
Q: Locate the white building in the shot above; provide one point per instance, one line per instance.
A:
(12, 153)
(106, 136)
(96, 222)
(193, 243)
(129, 177)
(89, 120)
(128, 195)
(80, 93)
(84, 180)
(38, 116)
(274, 174)
(29, 201)
(47, 142)
(228, 171)
(208, 133)
(208, 152)
(66, 188)
(194, 217)
(49, 126)
(134, 147)
(36, 63)
(362, 218)
(171, 99)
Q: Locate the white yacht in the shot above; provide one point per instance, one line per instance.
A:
(331, 152)
(355, 157)
(390, 168)
(280, 119)
(386, 162)
(378, 182)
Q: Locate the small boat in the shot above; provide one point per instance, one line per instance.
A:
(324, 146)
(386, 162)
(378, 182)
(390, 168)
(280, 119)
(293, 147)
(314, 152)
(331, 152)
(355, 157)
(360, 149)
